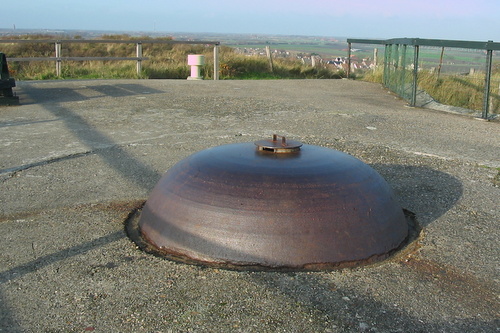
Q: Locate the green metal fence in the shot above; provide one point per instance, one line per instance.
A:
(402, 62)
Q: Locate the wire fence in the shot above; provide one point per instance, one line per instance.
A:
(465, 73)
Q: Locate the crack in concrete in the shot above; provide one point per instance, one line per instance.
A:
(13, 170)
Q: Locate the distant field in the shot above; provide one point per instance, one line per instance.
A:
(454, 60)
(323, 50)
(326, 49)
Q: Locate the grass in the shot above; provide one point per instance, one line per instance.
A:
(254, 67)
(462, 91)
(166, 61)
(466, 91)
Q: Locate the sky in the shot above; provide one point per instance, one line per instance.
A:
(381, 19)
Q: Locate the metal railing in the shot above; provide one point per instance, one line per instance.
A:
(401, 75)
(58, 58)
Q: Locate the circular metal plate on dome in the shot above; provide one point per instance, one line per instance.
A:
(276, 145)
(237, 206)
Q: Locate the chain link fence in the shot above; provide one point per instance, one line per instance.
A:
(461, 73)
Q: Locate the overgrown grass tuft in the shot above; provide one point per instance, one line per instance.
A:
(373, 75)
(466, 91)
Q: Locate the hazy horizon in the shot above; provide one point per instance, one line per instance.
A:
(438, 19)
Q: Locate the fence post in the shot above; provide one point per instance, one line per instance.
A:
(415, 77)
(487, 81)
(348, 74)
(138, 53)
(216, 62)
(58, 58)
(269, 58)
(402, 77)
(440, 62)
(396, 58)
(387, 58)
(396, 77)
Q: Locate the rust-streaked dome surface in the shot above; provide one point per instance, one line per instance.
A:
(242, 205)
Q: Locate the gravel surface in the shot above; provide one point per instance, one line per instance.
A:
(79, 156)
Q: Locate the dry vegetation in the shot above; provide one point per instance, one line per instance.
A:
(166, 61)
(466, 91)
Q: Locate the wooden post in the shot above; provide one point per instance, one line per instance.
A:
(58, 58)
(216, 62)
(440, 62)
(348, 60)
(375, 57)
(269, 58)
(138, 53)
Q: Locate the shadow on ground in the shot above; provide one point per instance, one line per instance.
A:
(425, 191)
(33, 94)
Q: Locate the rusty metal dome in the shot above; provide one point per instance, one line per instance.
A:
(273, 204)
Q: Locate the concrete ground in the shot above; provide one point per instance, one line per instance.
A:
(78, 156)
